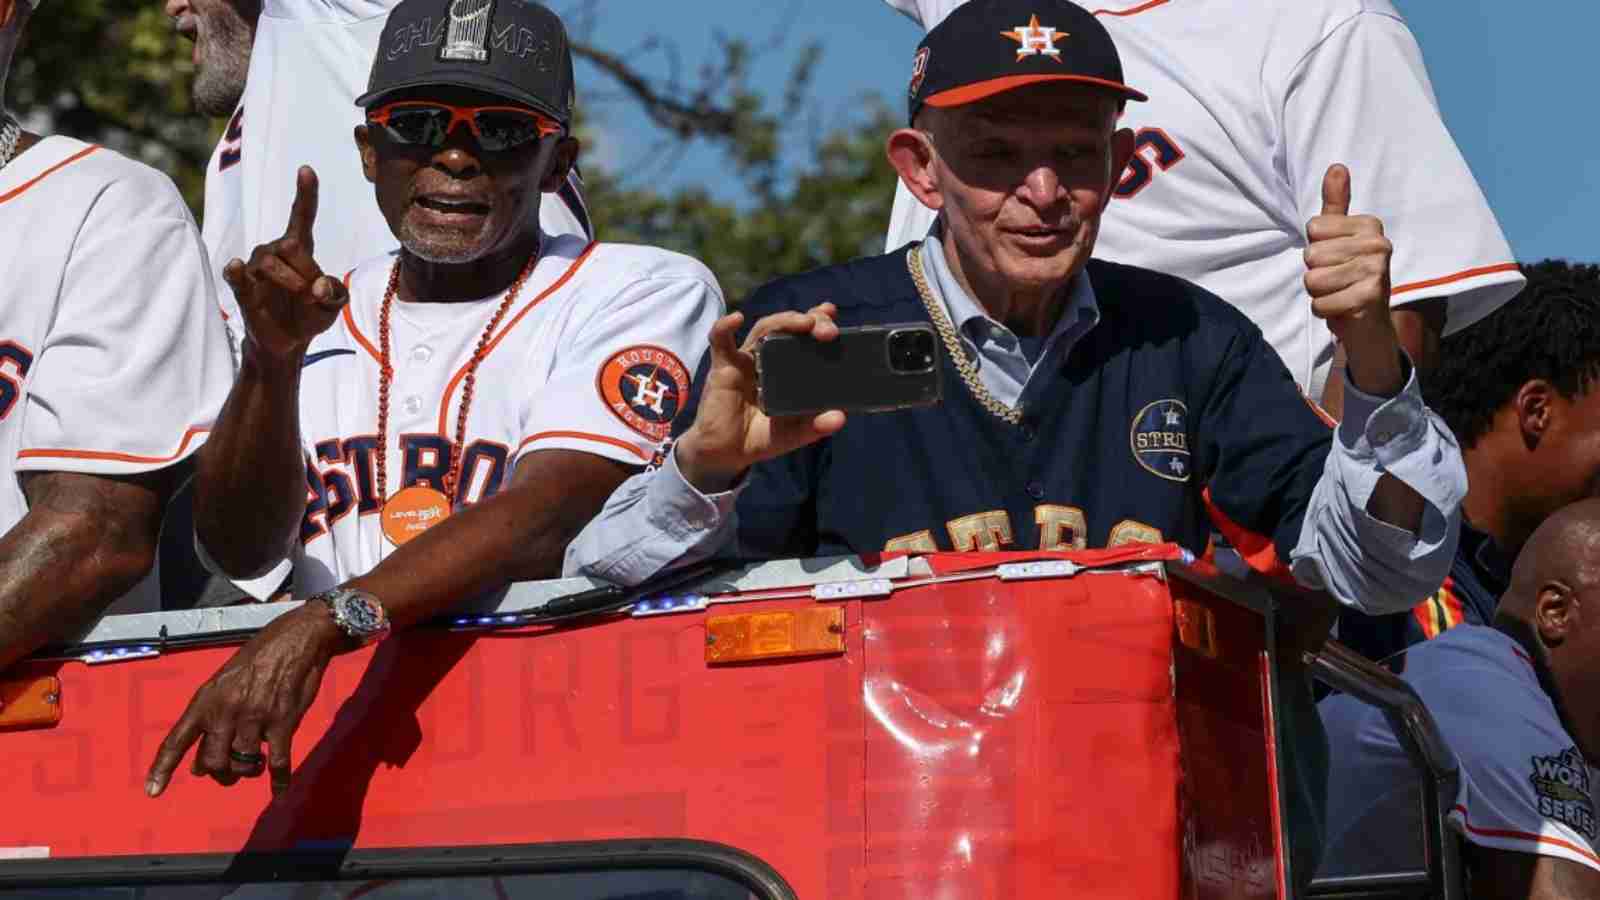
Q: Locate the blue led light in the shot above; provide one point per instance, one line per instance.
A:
(508, 620)
(644, 606)
(486, 620)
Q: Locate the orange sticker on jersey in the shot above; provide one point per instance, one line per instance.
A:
(645, 386)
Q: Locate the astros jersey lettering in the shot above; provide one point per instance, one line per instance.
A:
(311, 60)
(1250, 102)
(589, 357)
(113, 358)
(1525, 785)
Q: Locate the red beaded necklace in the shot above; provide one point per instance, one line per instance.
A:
(415, 509)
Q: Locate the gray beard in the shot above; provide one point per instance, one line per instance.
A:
(224, 65)
(219, 86)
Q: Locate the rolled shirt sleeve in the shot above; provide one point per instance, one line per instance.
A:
(653, 522)
(1366, 563)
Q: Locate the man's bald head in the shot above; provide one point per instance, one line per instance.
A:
(1553, 609)
(1563, 551)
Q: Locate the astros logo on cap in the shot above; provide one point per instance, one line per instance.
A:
(1036, 39)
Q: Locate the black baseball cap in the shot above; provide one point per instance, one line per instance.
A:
(986, 47)
(517, 49)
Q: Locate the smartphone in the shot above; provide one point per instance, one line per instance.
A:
(870, 368)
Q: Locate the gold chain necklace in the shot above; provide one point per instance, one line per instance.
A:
(952, 343)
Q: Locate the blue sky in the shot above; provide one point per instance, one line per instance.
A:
(1515, 89)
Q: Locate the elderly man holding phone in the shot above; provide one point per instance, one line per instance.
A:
(1085, 403)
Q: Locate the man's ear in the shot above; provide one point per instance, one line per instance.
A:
(566, 156)
(912, 154)
(369, 154)
(1534, 405)
(1123, 144)
(1555, 613)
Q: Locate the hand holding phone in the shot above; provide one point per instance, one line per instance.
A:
(730, 432)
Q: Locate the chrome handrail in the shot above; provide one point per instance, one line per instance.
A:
(1344, 670)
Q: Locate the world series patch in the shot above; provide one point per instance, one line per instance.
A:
(645, 387)
(1159, 439)
(1561, 784)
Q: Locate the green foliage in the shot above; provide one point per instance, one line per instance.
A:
(115, 72)
(834, 209)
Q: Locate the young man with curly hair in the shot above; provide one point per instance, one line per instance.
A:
(1519, 391)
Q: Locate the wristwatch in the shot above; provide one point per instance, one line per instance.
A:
(357, 613)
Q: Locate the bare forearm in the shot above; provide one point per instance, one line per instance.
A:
(251, 489)
(1395, 503)
(520, 534)
(78, 549)
(1420, 327)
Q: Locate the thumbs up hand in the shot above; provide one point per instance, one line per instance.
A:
(285, 298)
(1347, 274)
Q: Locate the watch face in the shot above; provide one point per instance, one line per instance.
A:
(362, 614)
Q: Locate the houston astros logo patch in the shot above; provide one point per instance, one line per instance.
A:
(1159, 439)
(1036, 40)
(644, 386)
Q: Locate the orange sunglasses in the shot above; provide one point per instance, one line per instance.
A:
(428, 124)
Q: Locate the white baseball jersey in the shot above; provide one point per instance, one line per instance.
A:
(113, 359)
(310, 62)
(1250, 102)
(593, 355)
(1525, 786)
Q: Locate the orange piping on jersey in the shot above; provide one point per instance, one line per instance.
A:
(1143, 7)
(1523, 835)
(1449, 279)
(1440, 612)
(1256, 549)
(585, 436)
(116, 457)
(1427, 616)
(444, 403)
(350, 323)
(48, 172)
(1453, 613)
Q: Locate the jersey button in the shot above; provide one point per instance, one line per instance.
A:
(421, 353)
(1035, 490)
(412, 404)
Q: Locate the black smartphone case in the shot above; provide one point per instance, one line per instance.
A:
(801, 376)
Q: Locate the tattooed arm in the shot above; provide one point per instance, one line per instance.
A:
(85, 541)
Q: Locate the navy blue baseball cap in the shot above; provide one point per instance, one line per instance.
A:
(986, 47)
(517, 49)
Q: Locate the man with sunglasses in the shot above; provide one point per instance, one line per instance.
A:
(284, 74)
(442, 420)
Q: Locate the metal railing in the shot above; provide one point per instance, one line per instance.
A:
(1344, 670)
